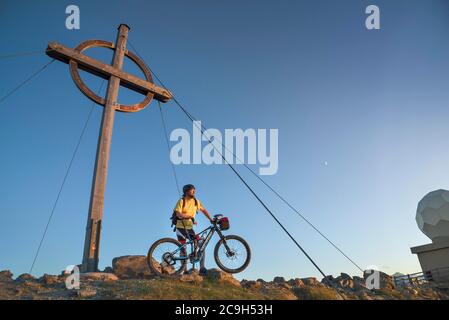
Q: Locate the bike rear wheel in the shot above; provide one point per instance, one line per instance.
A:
(232, 256)
(164, 257)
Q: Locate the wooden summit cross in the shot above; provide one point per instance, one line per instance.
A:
(116, 77)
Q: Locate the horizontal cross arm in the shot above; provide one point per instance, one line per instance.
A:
(101, 69)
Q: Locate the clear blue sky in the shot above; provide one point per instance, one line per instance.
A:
(372, 104)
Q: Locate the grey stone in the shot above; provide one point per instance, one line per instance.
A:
(279, 280)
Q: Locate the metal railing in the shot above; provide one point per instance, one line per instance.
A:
(436, 277)
(413, 279)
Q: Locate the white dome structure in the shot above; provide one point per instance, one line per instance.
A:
(432, 215)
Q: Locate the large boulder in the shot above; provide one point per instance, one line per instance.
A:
(25, 277)
(251, 284)
(221, 276)
(344, 281)
(129, 267)
(359, 283)
(6, 276)
(328, 281)
(49, 279)
(296, 282)
(279, 280)
(313, 282)
(281, 283)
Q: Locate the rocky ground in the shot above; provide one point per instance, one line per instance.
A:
(130, 278)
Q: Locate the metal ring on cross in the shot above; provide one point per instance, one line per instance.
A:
(100, 100)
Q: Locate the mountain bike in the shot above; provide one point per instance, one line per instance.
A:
(168, 257)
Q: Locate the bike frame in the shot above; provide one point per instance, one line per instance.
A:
(201, 250)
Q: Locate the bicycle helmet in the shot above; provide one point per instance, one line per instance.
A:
(187, 187)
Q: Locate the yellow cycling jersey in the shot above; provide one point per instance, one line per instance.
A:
(189, 208)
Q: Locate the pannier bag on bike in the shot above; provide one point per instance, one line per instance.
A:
(224, 223)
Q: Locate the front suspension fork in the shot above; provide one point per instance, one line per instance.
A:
(222, 237)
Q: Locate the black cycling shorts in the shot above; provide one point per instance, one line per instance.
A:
(185, 234)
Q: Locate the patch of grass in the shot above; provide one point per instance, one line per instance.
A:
(315, 293)
(390, 294)
(173, 289)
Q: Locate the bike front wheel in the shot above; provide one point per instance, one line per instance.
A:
(166, 257)
(232, 254)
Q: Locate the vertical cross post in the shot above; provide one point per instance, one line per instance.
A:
(116, 77)
(93, 229)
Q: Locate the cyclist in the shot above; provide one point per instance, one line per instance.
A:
(185, 211)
